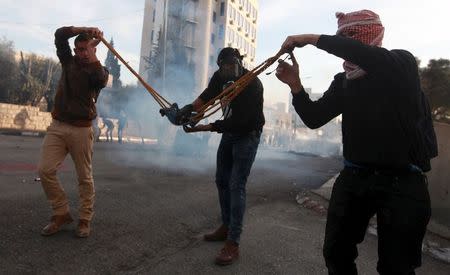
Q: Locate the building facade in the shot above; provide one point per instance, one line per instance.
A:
(181, 40)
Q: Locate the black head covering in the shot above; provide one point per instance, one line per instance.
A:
(229, 56)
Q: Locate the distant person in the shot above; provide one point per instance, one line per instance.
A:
(122, 125)
(21, 118)
(109, 128)
(71, 130)
(388, 140)
(141, 134)
(241, 130)
(96, 129)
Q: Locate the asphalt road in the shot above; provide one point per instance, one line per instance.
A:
(152, 208)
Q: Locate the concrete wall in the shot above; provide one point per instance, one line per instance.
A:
(439, 176)
(19, 118)
(23, 118)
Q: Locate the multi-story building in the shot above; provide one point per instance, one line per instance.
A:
(181, 40)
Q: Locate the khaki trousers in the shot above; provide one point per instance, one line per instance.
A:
(62, 139)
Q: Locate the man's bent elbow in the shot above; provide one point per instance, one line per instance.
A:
(63, 33)
(311, 124)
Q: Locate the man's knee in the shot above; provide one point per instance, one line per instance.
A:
(222, 183)
(45, 170)
(238, 185)
(401, 256)
(86, 181)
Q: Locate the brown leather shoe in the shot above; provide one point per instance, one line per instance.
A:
(83, 229)
(228, 254)
(219, 235)
(56, 223)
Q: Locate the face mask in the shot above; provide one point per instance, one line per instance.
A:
(230, 72)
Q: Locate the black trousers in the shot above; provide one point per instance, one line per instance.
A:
(402, 205)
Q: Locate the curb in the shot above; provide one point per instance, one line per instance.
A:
(21, 133)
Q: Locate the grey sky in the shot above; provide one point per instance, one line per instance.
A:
(416, 25)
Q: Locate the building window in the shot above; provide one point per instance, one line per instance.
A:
(222, 8)
(213, 38)
(151, 36)
(154, 15)
(214, 16)
(221, 31)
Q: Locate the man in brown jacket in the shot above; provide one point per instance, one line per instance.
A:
(71, 130)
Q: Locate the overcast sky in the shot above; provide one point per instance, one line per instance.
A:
(418, 26)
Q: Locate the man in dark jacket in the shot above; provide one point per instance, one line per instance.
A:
(378, 97)
(241, 129)
(71, 130)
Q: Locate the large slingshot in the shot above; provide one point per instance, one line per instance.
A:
(210, 107)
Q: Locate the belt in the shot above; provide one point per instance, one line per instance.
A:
(410, 168)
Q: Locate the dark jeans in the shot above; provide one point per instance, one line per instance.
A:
(119, 134)
(235, 157)
(402, 205)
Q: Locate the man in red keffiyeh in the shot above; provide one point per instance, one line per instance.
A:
(388, 141)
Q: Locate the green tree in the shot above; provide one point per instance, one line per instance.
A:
(112, 63)
(8, 70)
(435, 80)
(38, 77)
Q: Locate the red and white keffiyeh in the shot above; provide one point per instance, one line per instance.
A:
(363, 25)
